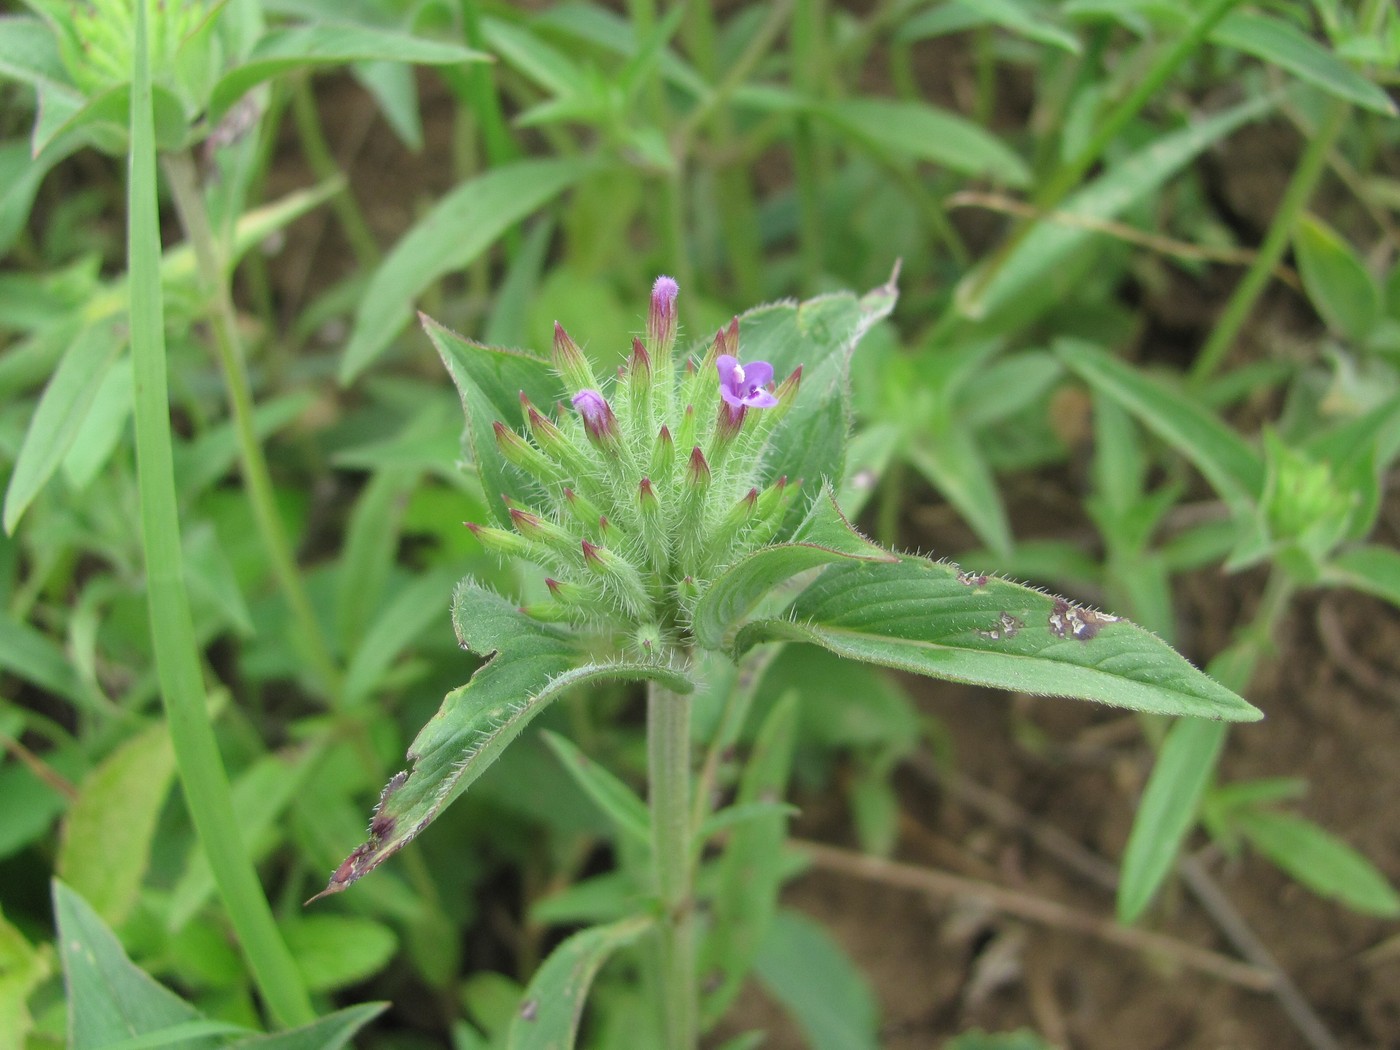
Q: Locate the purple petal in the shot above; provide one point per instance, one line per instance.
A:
(757, 374)
(760, 399)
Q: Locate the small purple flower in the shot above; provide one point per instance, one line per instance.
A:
(742, 387)
(598, 418)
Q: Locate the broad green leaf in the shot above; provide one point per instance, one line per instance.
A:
(1031, 271)
(1167, 812)
(1320, 861)
(333, 951)
(751, 871)
(325, 1033)
(309, 47)
(820, 335)
(1336, 280)
(396, 92)
(108, 832)
(823, 536)
(530, 665)
(1014, 15)
(919, 131)
(602, 898)
(1369, 568)
(490, 381)
(929, 618)
(20, 175)
(1278, 43)
(618, 801)
(102, 429)
(806, 971)
(553, 1004)
(1233, 469)
(29, 53)
(461, 226)
(61, 412)
(109, 997)
(22, 969)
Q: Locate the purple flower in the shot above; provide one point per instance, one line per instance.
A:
(598, 418)
(742, 387)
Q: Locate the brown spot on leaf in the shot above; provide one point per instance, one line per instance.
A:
(1075, 621)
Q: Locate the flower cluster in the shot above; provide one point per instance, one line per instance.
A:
(646, 486)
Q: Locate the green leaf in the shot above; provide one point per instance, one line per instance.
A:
(820, 335)
(824, 536)
(107, 835)
(1231, 466)
(1336, 281)
(35, 658)
(553, 1004)
(814, 980)
(1278, 43)
(1031, 273)
(490, 382)
(110, 998)
(617, 801)
(61, 412)
(461, 226)
(398, 625)
(1167, 812)
(1369, 568)
(309, 47)
(949, 457)
(1320, 861)
(333, 951)
(325, 1033)
(751, 870)
(919, 131)
(1017, 17)
(1022, 1039)
(22, 969)
(929, 618)
(533, 664)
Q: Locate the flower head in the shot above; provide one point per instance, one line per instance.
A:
(742, 387)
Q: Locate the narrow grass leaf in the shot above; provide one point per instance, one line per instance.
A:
(806, 970)
(617, 801)
(102, 429)
(1013, 15)
(1167, 812)
(461, 226)
(1274, 41)
(950, 459)
(60, 414)
(34, 657)
(531, 664)
(107, 834)
(553, 1005)
(1231, 466)
(309, 47)
(823, 536)
(331, 1032)
(1319, 860)
(918, 131)
(931, 618)
(400, 622)
(1032, 270)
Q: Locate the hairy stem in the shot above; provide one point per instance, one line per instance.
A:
(668, 773)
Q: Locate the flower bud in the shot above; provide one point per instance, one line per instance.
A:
(570, 362)
(598, 419)
(582, 509)
(661, 319)
(621, 575)
(663, 457)
(542, 530)
(499, 541)
(524, 455)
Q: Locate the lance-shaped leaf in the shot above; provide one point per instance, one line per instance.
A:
(490, 381)
(820, 335)
(930, 618)
(529, 665)
(824, 536)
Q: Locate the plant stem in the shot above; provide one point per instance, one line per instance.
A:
(1295, 198)
(668, 774)
(201, 768)
(189, 202)
(323, 165)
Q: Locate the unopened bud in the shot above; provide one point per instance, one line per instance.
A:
(541, 530)
(570, 362)
(663, 457)
(499, 541)
(582, 509)
(697, 470)
(524, 455)
(621, 575)
(598, 419)
(661, 318)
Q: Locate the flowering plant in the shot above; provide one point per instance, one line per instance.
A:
(684, 517)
